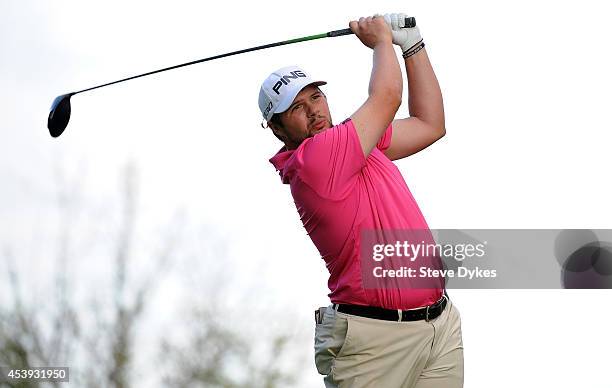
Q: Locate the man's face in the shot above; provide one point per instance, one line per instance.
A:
(307, 116)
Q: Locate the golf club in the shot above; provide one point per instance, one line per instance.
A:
(60, 108)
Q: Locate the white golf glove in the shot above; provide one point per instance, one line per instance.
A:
(409, 39)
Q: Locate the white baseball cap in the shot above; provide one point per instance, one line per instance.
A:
(280, 88)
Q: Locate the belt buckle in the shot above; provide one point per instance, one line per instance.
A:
(427, 314)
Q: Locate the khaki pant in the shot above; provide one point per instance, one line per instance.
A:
(356, 352)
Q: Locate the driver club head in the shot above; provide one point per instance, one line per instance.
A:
(59, 114)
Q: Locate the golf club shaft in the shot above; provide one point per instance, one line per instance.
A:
(410, 22)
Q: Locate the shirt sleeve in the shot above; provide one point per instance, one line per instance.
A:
(385, 140)
(330, 162)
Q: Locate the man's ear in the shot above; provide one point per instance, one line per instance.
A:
(277, 131)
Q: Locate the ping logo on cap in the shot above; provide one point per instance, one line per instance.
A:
(286, 79)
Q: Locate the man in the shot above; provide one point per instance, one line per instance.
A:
(343, 182)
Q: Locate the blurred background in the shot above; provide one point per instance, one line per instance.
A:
(153, 244)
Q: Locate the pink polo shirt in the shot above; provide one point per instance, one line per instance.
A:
(338, 193)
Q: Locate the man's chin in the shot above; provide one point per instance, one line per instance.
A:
(325, 128)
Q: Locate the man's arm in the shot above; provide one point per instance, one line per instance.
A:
(426, 122)
(385, 88)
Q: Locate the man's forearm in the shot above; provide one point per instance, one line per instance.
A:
(386, 78)
(424, 95)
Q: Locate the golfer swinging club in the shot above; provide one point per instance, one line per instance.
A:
(343, 180)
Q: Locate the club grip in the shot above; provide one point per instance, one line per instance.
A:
(409, 22)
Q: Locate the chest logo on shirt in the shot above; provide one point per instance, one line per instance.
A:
(286, 79)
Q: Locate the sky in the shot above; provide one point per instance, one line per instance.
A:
(526, 87)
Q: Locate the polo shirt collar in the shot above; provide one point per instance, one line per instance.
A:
(279, 161)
